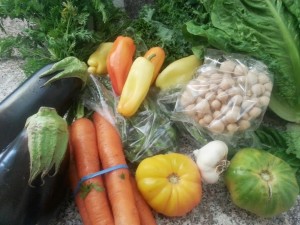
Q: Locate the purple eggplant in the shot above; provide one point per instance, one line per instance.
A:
(23, 203)
(36, 202)
(29, 97)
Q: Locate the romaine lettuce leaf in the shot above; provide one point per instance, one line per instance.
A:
(265, 29)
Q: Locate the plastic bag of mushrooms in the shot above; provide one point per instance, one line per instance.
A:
(227, 96)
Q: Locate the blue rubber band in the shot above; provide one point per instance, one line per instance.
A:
(99, 173)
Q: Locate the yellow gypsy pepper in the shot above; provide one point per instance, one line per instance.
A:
(136, 86)
(178, 72)
(97, 60)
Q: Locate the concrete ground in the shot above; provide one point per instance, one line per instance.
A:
(216, 207)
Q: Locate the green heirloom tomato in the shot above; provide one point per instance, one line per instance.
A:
(261, 182)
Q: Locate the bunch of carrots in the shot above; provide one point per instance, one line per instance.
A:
(112, 198)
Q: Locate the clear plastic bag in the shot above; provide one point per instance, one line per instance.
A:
(149, 132)
(187, 128)
(227, 96)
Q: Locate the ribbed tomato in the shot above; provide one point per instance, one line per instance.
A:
(261, 182)
(170, 183)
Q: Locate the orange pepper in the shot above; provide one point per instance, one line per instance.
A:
(157, 61)
(119, 61)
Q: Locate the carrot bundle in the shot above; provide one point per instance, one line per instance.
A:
(74, 179)
(145, 213)
(85, 151)
(118, 184)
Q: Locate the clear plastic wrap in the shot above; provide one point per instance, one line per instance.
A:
(149, 132)
(227, 96)
(185, 125)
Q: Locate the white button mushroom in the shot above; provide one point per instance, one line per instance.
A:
(227, 66)
(216, 126)
(190, 110)
(255, 112)
(216, 104)
(268, 86)
(232, 128)
(232, 116)
(243, 125)
(240, 70)
(251, 77)
(263, 78)
(226, 83)
(186, 99)
(207, 118)
(264, 101)
(226, 97)
(257, 89)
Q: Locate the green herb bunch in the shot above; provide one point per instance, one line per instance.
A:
(56, 29)
(162, 23)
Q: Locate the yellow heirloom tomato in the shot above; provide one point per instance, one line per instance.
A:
(170, 183)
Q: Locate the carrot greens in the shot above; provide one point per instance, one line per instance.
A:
(58, 29)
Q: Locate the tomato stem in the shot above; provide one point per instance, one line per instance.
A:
(267, 177)
(173, 178)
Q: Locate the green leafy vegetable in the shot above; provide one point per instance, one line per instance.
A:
(267, 30)
(292, 137)
(57, 29)
(162, 22)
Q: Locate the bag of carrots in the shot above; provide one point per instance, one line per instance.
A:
(150, 131)
(104, 189)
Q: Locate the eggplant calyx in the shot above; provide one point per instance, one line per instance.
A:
(47, 141)
(67, 68)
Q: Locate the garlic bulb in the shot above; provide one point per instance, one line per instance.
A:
(212, 160)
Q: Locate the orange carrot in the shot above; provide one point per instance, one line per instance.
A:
(145, 212)
(117, 182)
(73, 176)
(84, 143)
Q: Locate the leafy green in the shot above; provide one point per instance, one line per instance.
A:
(57, 29)
(162, 22)
(292, 137)
(267, 30)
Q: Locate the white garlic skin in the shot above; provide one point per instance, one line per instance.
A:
(208, 158)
